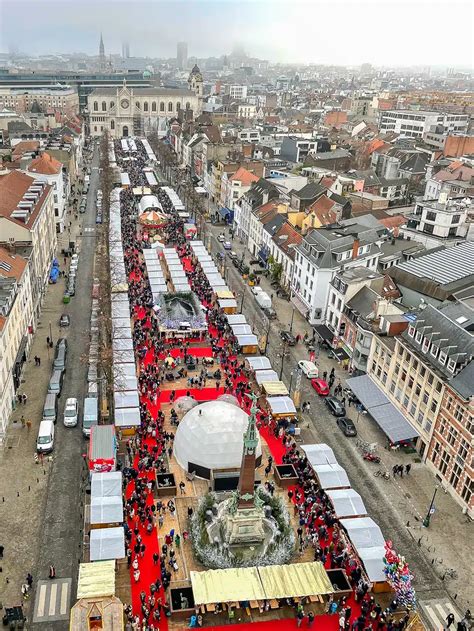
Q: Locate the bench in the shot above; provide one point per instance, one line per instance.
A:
(273, 604)
(254, 604)
(211, 607)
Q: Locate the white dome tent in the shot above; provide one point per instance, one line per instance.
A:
(210, 436)
(229, 398)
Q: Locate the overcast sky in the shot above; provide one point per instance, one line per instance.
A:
(381, 32)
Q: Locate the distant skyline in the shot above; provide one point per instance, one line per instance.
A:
(381, 32)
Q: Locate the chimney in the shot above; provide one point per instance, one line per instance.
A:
(355, 248)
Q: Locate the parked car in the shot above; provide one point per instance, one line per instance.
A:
(320, 386)
(309, 369)
(71, 412)
(64, 320)
(270, 313)
(288, 338)
(221, 238)
(232, 255)
(347, 426)
(335, 406)
(227, 245)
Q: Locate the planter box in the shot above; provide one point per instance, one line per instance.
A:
(285, 475)
(163, 489)
(339, 581)
(176, 608)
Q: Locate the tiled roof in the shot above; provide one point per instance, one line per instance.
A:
(25, 146)
(12, 188)
(11, 266)
(322, 209)
(45, 164)
(287, 236)
(244, 176)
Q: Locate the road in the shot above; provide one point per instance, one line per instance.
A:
(382, 507)
(61, 535)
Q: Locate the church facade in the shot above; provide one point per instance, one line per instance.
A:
(128, 111)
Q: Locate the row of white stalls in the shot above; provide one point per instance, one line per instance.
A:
(126, 398)
(175, 270)
(128, 145)
(106, 516)
(149, 151)
(280, 404)
(364, 534)
(112, 159)
(155, 273)
(176, 202)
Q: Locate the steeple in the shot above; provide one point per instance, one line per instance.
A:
(102, 62)
(250, 436)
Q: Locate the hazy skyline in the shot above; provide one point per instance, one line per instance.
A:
(382, 32)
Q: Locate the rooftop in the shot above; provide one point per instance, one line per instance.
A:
(13, 189)
(45, 164)
(11, 265)
(443, 266)
(244, 176)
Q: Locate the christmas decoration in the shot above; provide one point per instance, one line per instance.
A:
(398, 577)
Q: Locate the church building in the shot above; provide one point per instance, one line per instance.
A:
(127, 111)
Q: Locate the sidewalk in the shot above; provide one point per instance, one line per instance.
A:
(24, 483)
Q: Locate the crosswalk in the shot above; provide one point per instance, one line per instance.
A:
(52, 600)
(435, 612)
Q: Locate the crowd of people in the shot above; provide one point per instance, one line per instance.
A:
(148, 450)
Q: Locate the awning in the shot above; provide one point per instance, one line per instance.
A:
(107, 543)
(295, 580)
(266, 375)
(386, 415)
(363, 532)
(106, 510)
(324, 333)
(319, 454)
(258, 363)
(332, 476)
(107, 484)
(347, 503)
(275, 388)
(373, 560)
(224, 212)
(340, 354)
(96, 579)
(282, 406)
(223, 586)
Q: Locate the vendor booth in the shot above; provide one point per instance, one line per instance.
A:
(107, 544)
(102, 448)
(106, 512)
(373, 561)
(274, 389)
(126, 399)
(319, 454)
(281, 407)
(106, 484)
(248, 344)
(127, 420)
(125, 377)
(235, 318)
(363, 532)
(331, 476)
(96, 579)
(265, 375)
(258, 363)
(241, 329)
(228, 305)
(346, 503)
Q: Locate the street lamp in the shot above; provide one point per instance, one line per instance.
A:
(426, 521)
(282, 360)
(242, 301)
(50, 333)
(292, 316)
(291, 382)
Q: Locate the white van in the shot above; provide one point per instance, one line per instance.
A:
(90, 415)
(309, 368)
(45, 440)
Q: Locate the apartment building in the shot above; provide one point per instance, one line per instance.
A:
(16, 328)
(416, 123)
(260, 193)
(47, 169)
(62, 99)
(434, 222)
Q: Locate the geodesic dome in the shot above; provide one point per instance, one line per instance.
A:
(229, 398)
(184, 404)
(211, 436)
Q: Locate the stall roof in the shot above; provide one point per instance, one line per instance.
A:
(208, 266)
(215, 280)
(223, 586)
(106, 510)
(332, 476)
(392, 422)
(96, 579)
(120, 309)
(107, 484)
(124, 382)
(118, 346)
(204, 258)
(295, 580)
(266, 375)
(227, 302)
(319, 454)
(246, 340)
(281, 405)
(363, 532)
(127, 417)
(103, 443)
(121, 323)
(347, 503)
(275, 388)
(178, 287)
(373, 560)
(235, 318)
(107, 543)
(257, 363)
(124, 357)
(126, 399)
(241, 329)
(122, 333)
(225, 294)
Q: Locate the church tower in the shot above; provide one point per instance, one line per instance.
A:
(195, 81)
(102, 62)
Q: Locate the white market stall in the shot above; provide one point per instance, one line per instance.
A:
(331, 476)
(319, 454)
(107, 484)
(346, 503)
(107, 544)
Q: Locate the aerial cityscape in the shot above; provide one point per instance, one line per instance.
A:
(236, 315)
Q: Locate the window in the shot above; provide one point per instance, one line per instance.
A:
(188, 105)
(445, 458)
(439, 386)
(455, 475)
(153, 106)
(451, 365)
(405, 401)
(145, 106)
(415, 364)
(412, 409)
(410, 382)
(434, 350)
(426, 345)
(467, 490)
(112, 124)
(112, 104)
(137, 105)
(452, 435)
(170, 106)
(430, 378)
(442, 358)
(419, 337)
(95, 127)
(422, 371)
(404, 375)
(96, 109)
(162, 107)
(463, 449)
(425, 397)
(420, 417)
(434, 405)
(458, 413)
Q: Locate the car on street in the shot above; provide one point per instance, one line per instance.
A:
(227, 245)
(347, 426)
(309, 368)
(71, 412)
(288, 338)
(270, 313)
(335, 406)
(321, 387)
(232, 255)
(64, 320)
(221, 238)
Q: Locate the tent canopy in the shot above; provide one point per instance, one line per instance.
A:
(108, 484)
(373, 560)
(241, 329)
(222, 586)
(247, 340)
(258, 363)
(363, 532)
(392, 422)
(332, 476)
(275, 388)
(281, 405)
(107, 543)
(126, 399)
(319, 454)
(127, 417)
(96, 579)
(347, 503)
(106, 510)
(266, 375)
(235, 318)
(295, 580)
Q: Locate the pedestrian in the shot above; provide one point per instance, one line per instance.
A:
(308, 407)
(342, 622)
(29, 580)
(22, 421)
(395, 470)
(299, 617)
(52, 572)
(48, 341)
(136, 575)
(310, 619)
(449, 620)
(407, 468)
(39, 361)
(182, 487)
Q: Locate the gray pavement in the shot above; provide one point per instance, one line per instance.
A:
(391, 503)
(42, 522)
